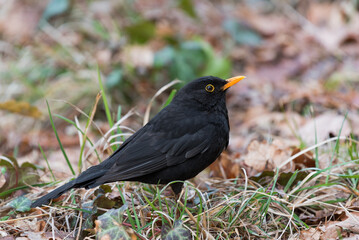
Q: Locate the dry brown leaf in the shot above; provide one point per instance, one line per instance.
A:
(27, 225)
(22, 108)
(322, 126)
(330, 230)
(19, 19)
(267, 156)
(346, 229)
(326, 159)
(47, 235)
(6, 237)
(351, 223)
(138, 56)
(225, 167)
(103, 57)
(310, 234)
(305, 160)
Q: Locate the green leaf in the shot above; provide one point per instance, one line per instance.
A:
(164, 57)
(15, 175)
(114, 78)
(189, 59)
(55, 8)
(104, 202)
(241, 33)
(178, 232)
(140, 32)
(219, 67)
(192, 59)
(188, 7)
(110, 226)
(216, 65)
(20, 204)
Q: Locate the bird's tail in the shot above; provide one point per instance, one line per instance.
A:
(54, 194)
(86, 179)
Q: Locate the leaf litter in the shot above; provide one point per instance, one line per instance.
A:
(302, 82)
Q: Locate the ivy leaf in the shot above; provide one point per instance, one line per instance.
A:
(109, 225)
(241, 33)
(55, 8)
(191, 59)
(20, 204)
(15, 175)
(178, 232)
(216, 65)
(164, 57)
(114, 78)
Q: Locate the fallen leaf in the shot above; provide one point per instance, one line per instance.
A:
(55, 8)
(310, 234)
(305, 160)
(20, 107)
(109, 225)
(267, 156)
(322, 126)
(351, 223)
(138, 56)
(19, 19)
(20, 204)
(330, 230)
(225, 167)
(176, 232)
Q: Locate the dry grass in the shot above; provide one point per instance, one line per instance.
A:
(221, 209)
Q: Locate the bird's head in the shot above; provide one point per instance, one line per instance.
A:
(208, 91)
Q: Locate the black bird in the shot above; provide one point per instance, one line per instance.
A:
(179, 142)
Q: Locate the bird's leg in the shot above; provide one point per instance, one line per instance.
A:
(177, 188)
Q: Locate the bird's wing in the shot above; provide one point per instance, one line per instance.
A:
(179, 148)
(153, 148)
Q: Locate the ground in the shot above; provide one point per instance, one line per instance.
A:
(78, 77)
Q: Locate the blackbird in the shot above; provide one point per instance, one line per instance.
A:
(179, 142)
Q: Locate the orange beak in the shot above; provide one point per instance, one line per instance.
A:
(232, 81)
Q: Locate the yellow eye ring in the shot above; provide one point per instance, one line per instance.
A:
(209, 88)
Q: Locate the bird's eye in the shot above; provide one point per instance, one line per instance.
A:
(209, 88)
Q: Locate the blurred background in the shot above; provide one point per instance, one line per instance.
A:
(301, 59)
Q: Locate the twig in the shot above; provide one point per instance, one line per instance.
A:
(24, 218)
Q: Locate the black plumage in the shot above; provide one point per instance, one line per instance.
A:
(179, 142)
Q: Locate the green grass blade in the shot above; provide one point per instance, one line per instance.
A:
(336, 147)
(105, 103)
(79, 129)
(119, 131)
(7, 192)
(58, 139)
(104, 97)
(316, 140)
(170, 98)
(138, 224)
(291, 180)
(84, 135)
(47, 162)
